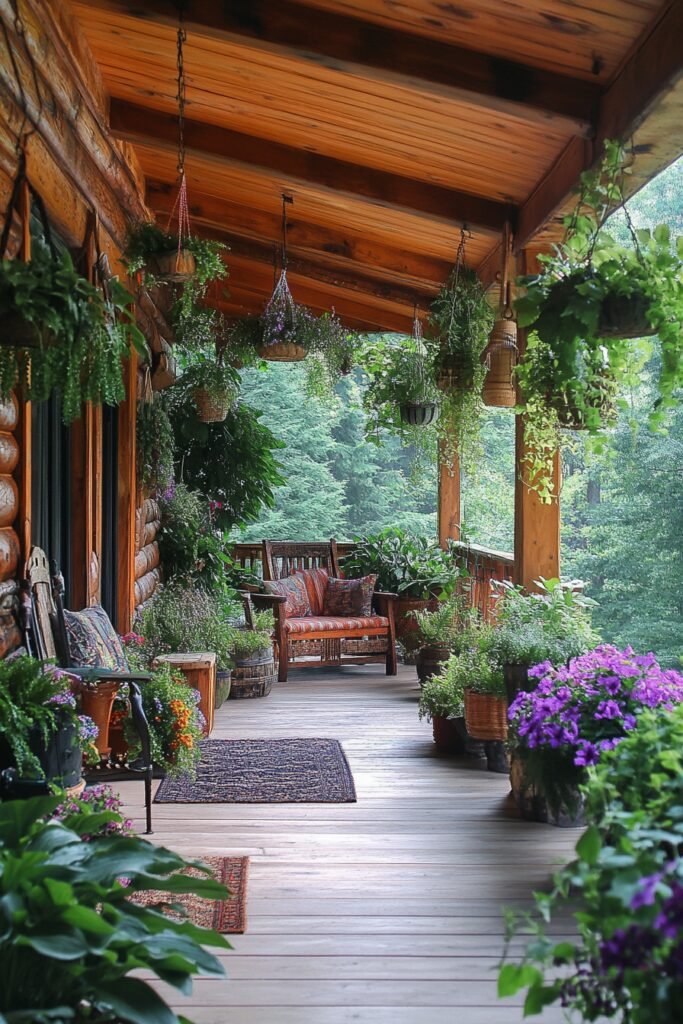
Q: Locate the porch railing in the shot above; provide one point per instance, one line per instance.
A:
(482, 564)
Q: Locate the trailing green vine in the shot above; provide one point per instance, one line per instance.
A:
(155, 446)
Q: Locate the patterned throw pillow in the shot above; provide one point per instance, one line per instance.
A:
(316, 585)
(93, 641)
(294, 589)
(349, 598)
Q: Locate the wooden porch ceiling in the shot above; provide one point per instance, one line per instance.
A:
(391, 125)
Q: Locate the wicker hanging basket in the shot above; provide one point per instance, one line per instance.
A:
(282, 352)
(623, 316)
(419, 414)
(15, 332)
(211, 407)
(500, 356)
(486, 716)
(174, 267)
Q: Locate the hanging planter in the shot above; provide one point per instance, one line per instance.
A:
(212, 408)
(214, 388)
(176, 267)
(419, 414)
(500, 355)
(624, 316)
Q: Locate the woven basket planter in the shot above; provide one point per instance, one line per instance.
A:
(623, 316)
(212, 408)
(282, 352)
(176, 267)
(486, 716)
(419, 414)
(15, 332)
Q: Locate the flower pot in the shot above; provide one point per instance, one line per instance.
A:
(15, 332)
(61, 760)
(430, 659)
(517, 680)
(406, 624)
(176, 267)
(532, 804)
(282, 352)
(98, 703)
(211, 407)
(486, 716)
(419, 414)
(448, 735)
(223, 680)
(623, 316)
(501, 358)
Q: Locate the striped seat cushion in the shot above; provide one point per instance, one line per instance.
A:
(312, 624)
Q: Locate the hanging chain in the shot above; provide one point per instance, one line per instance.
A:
(285, 199)
(181, 94)
(459, 263)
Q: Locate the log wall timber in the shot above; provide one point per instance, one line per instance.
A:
(147, 560)
(9, 491)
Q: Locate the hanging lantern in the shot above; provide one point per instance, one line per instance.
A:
(500, 355)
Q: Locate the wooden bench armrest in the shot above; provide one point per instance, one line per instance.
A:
(385, 594)
(87, 673)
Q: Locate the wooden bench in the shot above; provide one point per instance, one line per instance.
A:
(319, 640)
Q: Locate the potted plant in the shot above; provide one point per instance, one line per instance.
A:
(441, 631)
(553, 624)
(415, 568)
(214, 386)
(73, 937)
(485, 700)
(251, 653)
(442, 703)
(459, 326)
(592, 296)
(154, 446)
(42, 735)
(572, 717)
(62, 333)
(175, 723)
(166, 258)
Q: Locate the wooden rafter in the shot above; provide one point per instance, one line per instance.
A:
(133, 123)
(348, 44)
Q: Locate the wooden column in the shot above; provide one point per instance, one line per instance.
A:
(126, 497)
(22, 472)
(537, 525)
(449, 501)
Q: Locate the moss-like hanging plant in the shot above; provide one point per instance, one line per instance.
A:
(155, 446)
(77, 338)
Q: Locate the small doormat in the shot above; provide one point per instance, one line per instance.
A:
(226, 916)
(264, 772)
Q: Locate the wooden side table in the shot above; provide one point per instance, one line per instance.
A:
(199, 670)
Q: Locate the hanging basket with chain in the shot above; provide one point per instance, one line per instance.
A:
(421, 410)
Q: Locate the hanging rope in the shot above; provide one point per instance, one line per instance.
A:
(283, 255)
(181, 207)
(459, 263)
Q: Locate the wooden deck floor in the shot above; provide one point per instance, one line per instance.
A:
(387, 910)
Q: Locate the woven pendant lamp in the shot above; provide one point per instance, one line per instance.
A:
(500, 355)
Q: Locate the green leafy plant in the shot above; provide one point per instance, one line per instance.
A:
(149, 240)
(553, 624)
(460, 322)
(211, 375)
(624, 891)
(71, 937)
(80, 337)
(246, 643)
(35, 703)
(233, 462)
(443, 696)
(405, 565)
(154, 446)
(447, 625)
(484, 674)
(184, 617)
(592, 296)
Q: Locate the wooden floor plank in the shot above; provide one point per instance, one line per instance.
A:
(385, 910)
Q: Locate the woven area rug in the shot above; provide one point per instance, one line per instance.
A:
(226, 916)
(264, 772)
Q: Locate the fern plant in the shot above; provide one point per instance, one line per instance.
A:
(155, 446)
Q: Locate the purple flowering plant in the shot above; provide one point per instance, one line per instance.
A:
(625, 890)
(99, 801)
(579, 711)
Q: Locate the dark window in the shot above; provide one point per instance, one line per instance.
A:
(51, 484)
(108, 577)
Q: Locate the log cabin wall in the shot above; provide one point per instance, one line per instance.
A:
(147, 560)
(79, 170)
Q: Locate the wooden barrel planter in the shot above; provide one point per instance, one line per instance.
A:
(282, 352)
(406, 623)
(430, 660)
(253, 677)
(419, 414)
(223, 683)
(449, 735)
(486, 716)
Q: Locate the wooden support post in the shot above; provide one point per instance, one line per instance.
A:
(23, 470)
(126, 492)
(449, 501)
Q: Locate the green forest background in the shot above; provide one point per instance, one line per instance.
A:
(622, 507)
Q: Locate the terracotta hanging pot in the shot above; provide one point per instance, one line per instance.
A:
(500, 357)
(98, 703)
(282, 352)
(176, 267)
(419, 414)
(211, 407)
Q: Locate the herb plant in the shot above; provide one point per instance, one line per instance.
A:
(184, 617)
(70, 937)
(175, 722)
(154, 446)
(443, 696)
(81, 337)
(245, 643)
(448, 625)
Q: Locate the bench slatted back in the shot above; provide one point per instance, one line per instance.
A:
(282, 558)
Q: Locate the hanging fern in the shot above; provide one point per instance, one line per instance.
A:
(155, 451)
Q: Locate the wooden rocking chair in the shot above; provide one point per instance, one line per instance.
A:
(42, 620)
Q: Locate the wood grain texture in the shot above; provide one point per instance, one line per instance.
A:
(387, 910)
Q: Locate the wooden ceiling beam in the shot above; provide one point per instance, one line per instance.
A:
(349, 45)
(647, 79)
(308, 240)
(140, 124)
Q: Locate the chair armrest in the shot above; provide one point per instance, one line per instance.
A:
(88, 674)
(385, 594)
(384, 602)
(268, 600)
